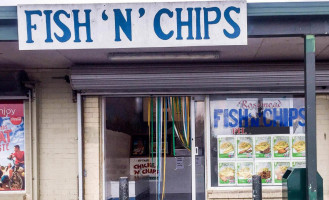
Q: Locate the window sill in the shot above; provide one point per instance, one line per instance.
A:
(12, 195)
(269, 192)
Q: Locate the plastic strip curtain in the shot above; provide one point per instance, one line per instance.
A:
(150, 126)
(156, 145)
(159, 142)
(164, 146)
(180, 106)
(161, 123)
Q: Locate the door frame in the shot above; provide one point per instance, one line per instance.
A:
(194, 148)
(194, 99)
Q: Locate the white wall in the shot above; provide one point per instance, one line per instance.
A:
(117, 153)
(57, 120)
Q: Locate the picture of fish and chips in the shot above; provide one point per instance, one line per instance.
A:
(244, 172)
(226, 147)
(264, 170)
(281, 146)
(263, 147)
(298, 146)
(279, 169)
(226, 173)
(245, 147)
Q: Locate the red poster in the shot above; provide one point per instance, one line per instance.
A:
(12, 146)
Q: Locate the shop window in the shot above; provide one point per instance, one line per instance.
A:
(256, 135)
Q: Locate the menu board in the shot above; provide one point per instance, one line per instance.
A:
(263, 147)
(244, 147)
(226, 173)
(245, 170)
(226, 147)
(240, 157)
(298, 146)
(267, 156)
(264, 170)
(281, 148)
(279, 169)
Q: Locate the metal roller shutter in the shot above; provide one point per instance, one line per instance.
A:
(195, 79)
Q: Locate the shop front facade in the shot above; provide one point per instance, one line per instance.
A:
(81, 117)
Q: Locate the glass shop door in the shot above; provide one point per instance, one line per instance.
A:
(198, 148)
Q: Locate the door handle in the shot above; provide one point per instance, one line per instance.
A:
(196, 151)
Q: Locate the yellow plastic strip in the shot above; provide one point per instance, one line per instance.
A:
(164, 147)
(188, 120)
(176, 129)
(149, 124)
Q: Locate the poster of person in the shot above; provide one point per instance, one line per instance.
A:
(12, 146)
(139, 146)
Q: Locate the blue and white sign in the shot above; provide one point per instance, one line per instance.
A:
(234, 116)
(132, 25)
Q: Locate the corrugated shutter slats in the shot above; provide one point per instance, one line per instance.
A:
(194, 79)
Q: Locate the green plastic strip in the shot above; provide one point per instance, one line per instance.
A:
(158, 134)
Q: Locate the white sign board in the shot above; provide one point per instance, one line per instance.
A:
(132, 25)
(179, 162)
(142, 167)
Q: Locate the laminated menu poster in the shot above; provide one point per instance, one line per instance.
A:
(245, 147)
(244, 172)
(298, 146)
(279, 169)
(298, 164)
(226, 147)
(226, 173)
(263, 147)
(264, 170)
(281, 147)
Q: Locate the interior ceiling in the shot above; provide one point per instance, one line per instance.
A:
(258, 50)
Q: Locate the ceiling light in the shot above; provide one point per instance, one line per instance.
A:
(155, 57)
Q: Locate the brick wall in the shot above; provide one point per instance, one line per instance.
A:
(57, 139)
(92, 148)
(57, 121)
(28, 171)
(322, 133)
